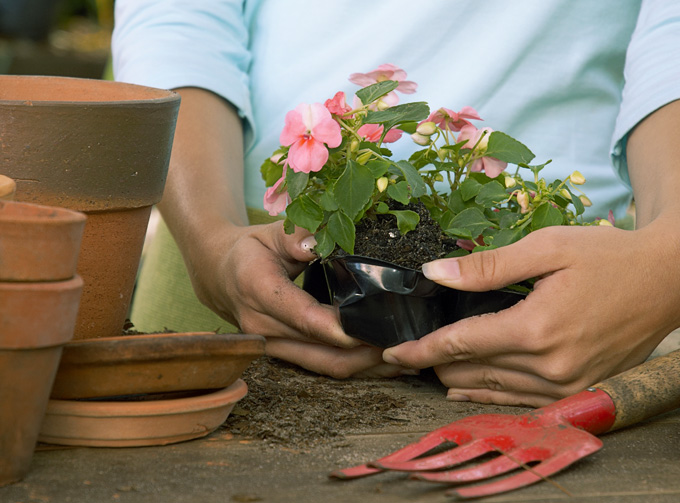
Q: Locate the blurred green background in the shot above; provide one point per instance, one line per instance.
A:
(56, 37)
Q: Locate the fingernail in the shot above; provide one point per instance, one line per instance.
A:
(389, 358)
(442, 269)
(409, 372)
(308, 244)
(457, 397)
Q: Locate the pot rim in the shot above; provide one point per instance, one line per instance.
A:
(155, 95)
(39, 214)
(103, 409)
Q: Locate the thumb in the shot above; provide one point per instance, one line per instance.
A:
(536, 254)
(299, 245)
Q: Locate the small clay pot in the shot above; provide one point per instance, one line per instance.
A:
(38, 243)
(36, 320)
(139, 421)
(99, 147)
(153, 363)
(384, 304)
(7, 188)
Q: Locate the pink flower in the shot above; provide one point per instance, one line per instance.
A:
(382, 73)
(372, 133)
(338, 105)
(453, 121)
(385, 72)
(479, 139)
(276, 198)
(307, 129)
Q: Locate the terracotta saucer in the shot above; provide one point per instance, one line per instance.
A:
(153, 363)
(134, 423)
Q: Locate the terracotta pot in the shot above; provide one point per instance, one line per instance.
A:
(99, 147)
(153, 363)
(7, 188)
(36, 319)
(38, 243)
(138, 423)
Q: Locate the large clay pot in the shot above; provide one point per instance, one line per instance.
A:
(99, 147)
(36, 319)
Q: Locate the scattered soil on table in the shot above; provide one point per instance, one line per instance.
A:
(381, 239)
(287, 405)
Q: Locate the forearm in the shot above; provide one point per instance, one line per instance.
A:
(204, 188)
(654, 167)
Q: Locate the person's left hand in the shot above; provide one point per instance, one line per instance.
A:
(604, 300)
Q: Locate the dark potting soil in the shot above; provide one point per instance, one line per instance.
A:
(289, 406)
(380, 238)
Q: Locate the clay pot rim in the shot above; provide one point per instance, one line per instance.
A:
(153, 95)
(185, 345)
(23, 213)
(103, 409)
(73, 283)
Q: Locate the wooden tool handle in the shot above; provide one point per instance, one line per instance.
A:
(644, 391)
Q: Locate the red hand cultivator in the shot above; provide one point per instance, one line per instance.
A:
(537, 444)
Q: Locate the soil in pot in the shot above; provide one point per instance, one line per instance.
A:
(380, 238)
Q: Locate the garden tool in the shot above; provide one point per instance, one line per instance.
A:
(536, 444)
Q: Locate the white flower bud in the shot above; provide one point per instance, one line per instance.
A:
(420, 139)
(363, 158)
(381, 183)
(565, 194)
(427, 128)
(510, 182)
(276, 157)
(585, 201)
(577, 178)
(523, 200)
(353, 147)
(604, 222)
(381, 105)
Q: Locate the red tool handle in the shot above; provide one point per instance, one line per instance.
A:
(642, 392)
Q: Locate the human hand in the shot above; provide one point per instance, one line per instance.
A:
(604, 300)
(244, 275)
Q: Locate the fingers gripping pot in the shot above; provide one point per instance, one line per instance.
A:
(384, 304)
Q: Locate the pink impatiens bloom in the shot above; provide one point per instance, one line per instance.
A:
(338, 105)
(372, 133)
(307, 129)
(453, 121)
(491, 166)
(276, 198)
(382, 73)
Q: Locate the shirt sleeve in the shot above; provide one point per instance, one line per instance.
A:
(652, 72)
(178, 43)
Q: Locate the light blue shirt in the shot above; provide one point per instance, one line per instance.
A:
(548, 72)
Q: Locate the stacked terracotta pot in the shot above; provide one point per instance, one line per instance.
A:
(39, 298)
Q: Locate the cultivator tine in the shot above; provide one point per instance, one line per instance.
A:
(446, 459)
(492, 468)
(426, 443)
(528, 476)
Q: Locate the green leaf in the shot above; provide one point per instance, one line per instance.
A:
(408, 112)
(491, 193)
(378, 167)
(546, 215)
(305, 213)
(327, 200)
(460, 252)
(382, 208)
(341, 229)
(288, 226)
(271, 172)
(354, 188)
(325, 244)
(398, 192)
(469, 189)
(458, 233)
(507, 149)
(296, 182)
(473, 220)
(407, 220)
(455, 202)
(409, 127)
(576, 201)
(413, 178)
(371, 93)
(505, 237)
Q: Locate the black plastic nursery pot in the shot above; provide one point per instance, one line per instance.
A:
(384, 304)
